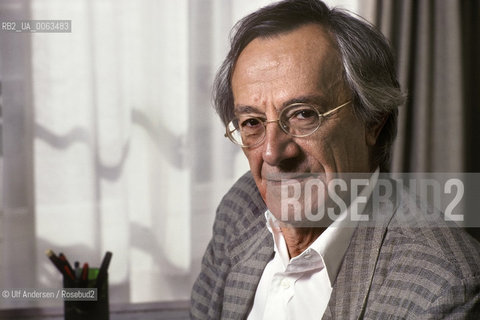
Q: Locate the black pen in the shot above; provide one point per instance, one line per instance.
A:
(57, 262)
(102, 273)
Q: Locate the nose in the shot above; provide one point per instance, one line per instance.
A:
(278, 146)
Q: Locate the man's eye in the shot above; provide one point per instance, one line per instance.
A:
(303, 114)
(252, 122)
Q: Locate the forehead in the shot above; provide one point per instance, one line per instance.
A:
(302, 62)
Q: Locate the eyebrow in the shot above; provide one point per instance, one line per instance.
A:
(243, 109)
(316, 100)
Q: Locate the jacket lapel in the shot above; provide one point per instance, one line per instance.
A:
(249, 254)
(352, 286)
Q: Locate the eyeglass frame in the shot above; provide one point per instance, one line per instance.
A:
(228, 133)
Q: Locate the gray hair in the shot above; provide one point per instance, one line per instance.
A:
(366, 57)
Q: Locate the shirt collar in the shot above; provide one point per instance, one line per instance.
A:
(332, 244)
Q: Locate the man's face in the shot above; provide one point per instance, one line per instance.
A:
(298, 66)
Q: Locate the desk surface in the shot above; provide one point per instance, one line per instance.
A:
(175, 310)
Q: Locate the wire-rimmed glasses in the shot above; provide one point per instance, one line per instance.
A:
(297, 120)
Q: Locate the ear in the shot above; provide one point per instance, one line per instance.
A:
(373, 130)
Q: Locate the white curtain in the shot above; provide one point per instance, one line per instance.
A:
(110, 142)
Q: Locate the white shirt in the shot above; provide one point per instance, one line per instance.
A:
(300, 288)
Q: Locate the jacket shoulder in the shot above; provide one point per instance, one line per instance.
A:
(426, 271)
(431, 237)
(241, 206)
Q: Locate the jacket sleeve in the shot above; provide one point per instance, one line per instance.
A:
(458, 301)
(208, 288)
(242, 206)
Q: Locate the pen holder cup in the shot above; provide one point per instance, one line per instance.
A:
(81, 309)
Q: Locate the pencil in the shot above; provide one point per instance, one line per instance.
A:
(62, 257)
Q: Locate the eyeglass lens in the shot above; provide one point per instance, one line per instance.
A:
(296, 120)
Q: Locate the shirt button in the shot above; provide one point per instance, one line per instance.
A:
(286, 283)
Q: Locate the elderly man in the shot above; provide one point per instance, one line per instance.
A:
(305, 91)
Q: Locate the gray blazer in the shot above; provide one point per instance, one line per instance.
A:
(390, 271)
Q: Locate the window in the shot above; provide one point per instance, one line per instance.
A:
(108, 142)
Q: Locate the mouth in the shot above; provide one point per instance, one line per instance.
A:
(279, 177)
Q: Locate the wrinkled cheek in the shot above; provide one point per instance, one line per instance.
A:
(254, 158)
(322, 155)
(255, 163)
